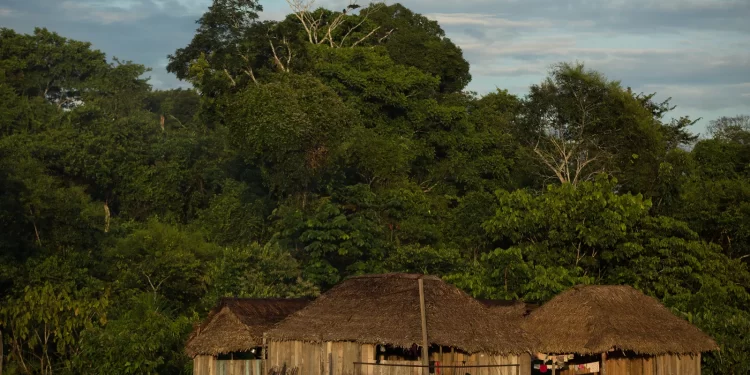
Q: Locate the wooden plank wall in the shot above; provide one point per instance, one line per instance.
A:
(677, 365)
(306, 357)
(209, 365)
(479, 359)
(660, 365)
(313, 359)
(204, 365)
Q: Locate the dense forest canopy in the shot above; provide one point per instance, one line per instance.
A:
(334, 143)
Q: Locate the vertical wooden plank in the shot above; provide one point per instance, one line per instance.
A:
(698, 364)
(297, 360)
(455, 361)
(636, 366)
(304, 358)
(659, 365)
(273, 356)
(497, 360)
(312, 365)
(346, 364)
(423, 313)
(292, 359)
(321, 349)
(368, 356)
(329, 358)
(315, 359)
(338, 361)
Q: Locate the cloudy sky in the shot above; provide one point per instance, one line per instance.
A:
(695, 51)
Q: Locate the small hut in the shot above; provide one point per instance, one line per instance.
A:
(373, 325)
(616, 330)
(229, 340)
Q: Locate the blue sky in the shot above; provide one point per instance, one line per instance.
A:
(695, 51)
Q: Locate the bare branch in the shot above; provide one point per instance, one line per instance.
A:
(230, 77)
(289, 54)
(545, 160)
(250, 73)
(365, 17)
(300, 9)
(179, 122)
(386, 35)
(276, 59)
(366, 36)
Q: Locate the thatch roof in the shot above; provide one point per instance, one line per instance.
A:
(238, 324)
(595, 319)
(513, 308)
(385, 309)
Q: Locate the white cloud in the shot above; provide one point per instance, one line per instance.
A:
(5, 12)
(683, 5)
(103, 14)
(486, 20)
(514, 71)
(704, 97)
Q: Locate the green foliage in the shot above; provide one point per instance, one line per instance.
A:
(49, 66)
(256, 271)
(333, 236)
(120, 348)
(163, 260)
(291, 129)
(47, 317)
(303, 157)
(412, 39)
(579, 123)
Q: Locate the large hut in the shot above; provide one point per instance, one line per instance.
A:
(229, 340)
(615, 330)
(374, 325)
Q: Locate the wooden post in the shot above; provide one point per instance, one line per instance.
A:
(603, 368)
(425, 359)
(264, 355)
(453, 360)
(554, 365)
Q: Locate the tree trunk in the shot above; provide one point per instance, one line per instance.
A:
(1, 352)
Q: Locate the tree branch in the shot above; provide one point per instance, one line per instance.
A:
(366, 36)
(276, 59)
(230, 77)
(385, 36)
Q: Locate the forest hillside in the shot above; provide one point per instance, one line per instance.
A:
(335, 143)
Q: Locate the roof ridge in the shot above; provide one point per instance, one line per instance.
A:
(395, 275)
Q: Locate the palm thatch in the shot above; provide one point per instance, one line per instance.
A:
(596, 319)
(238, 324)
(509, 309)
(385, 309)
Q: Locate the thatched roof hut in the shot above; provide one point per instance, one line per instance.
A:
(595, 319)
(238, 324)
(385, 309)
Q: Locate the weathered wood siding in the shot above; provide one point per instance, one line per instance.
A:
(209, 365)
(650, 365)
(339, 357)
